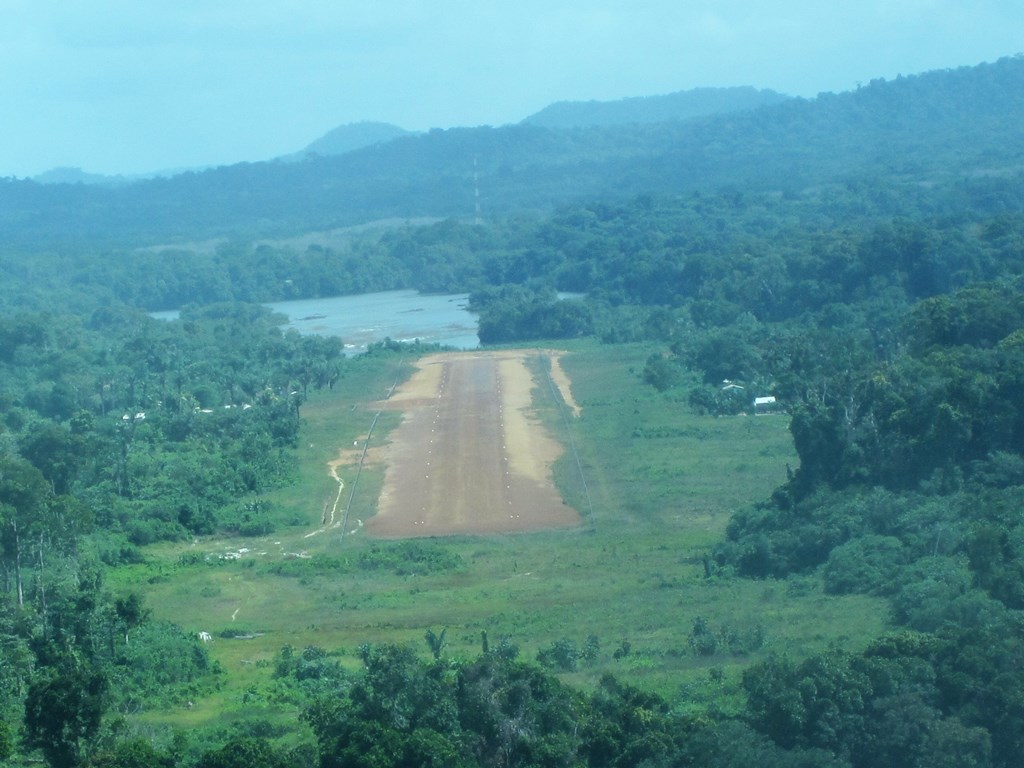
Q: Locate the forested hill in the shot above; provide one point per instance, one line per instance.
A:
(914, 129)
(348, 138)
(683, 105)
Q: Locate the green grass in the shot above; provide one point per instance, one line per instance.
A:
(661, 483)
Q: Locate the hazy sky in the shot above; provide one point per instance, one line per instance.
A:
(126, 86)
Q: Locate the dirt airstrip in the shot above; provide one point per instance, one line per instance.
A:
(469, 455)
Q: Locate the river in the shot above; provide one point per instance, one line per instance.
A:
(366, 318)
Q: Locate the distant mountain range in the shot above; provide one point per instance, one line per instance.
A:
(684, 105)
(348, 138)
(66, 175)
(919, 130)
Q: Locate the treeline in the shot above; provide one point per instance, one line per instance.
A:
(83, 661)
(921, 129)
(903, 701)
(722, 254)
(118, 430)
(911, 455)
(909, 487)
(158, 429)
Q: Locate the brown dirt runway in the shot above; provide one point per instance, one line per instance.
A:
(469, 455)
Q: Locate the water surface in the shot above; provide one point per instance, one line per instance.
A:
(399, 315)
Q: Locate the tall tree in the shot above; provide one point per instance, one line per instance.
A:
(63, 711)
(23, 497)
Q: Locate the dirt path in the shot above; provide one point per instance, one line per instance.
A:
(469, 455)
(562, 382)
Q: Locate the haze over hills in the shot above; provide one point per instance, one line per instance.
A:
(338, 141)
(916, 129)
(75, 175)
(348, 138)
(682, 105)
(699, 102)
(67, 175)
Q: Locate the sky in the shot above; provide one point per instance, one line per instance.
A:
(135, 86)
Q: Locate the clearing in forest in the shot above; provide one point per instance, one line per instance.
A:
(470, 456)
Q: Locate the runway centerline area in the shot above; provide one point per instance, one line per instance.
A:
(469, 455)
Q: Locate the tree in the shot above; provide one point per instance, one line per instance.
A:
(436, 642)
(23, 496)
(6, 744)
(63, 711)
(130, 613)
(56, 452)
(136, 753)
(661, 372)
(822, 703)
(867, 565)
(243, 752)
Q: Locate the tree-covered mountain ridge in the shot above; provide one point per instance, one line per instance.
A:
(681, 105)
(915, 129)
(349, 138)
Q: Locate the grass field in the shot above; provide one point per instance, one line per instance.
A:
(657, 486)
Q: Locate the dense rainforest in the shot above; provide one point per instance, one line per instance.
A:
(858, 257)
